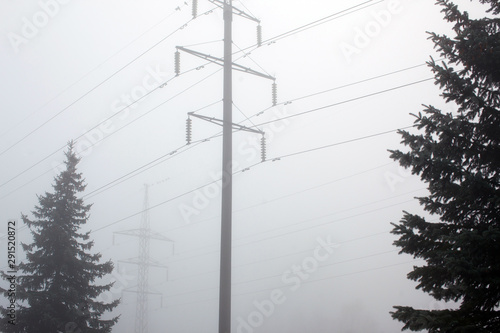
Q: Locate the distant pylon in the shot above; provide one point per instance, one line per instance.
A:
(143, 261)
(141, 320)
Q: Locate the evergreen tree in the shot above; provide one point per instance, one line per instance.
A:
(458, 155)
(57, 283)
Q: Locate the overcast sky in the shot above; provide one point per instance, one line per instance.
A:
(71, 69)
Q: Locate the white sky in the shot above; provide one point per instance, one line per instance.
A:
(70, 71)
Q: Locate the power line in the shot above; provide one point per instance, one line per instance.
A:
(257, 114)
(260, 261)
(245, 7)
(273, 276)
(295, 193)
(340, 143)
(318, 22)
(114, 115)
(313, 149)
(134, 172)
(291, 31)
(302, 283)
(288, 155)
(107, 119)
(299, 230)
(278, 158)
(350, 240)
(244, 115)
(212, 182)
(337, 276)
(347, 101)
(180, 195)
(92, 70)
(215, 181)
(94, 88)
(146, 166)
(355, 83)
(96, 143)
(150, 208)
(283, 35)
(323, 266)
(286, 196)
(247, 55)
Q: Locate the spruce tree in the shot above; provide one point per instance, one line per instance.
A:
(57, 286)
(458, 155)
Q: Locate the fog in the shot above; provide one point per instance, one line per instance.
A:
(311, 225)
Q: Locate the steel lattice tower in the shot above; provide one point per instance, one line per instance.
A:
(141, 322)
(143, 261)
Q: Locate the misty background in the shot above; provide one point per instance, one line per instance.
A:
(347, 80)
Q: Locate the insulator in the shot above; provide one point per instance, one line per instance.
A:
(259, 35)
(177, 63)
(188, 130)
(263, 148)
(195, 8)
(275, 94)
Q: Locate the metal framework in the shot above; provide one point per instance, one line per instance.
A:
(227, 146)
(144, 262)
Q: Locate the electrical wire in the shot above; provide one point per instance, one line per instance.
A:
(341, 143)
(274, 276)
(105, 120)
(246, 117)
(94, 88)
(302, 283)
(205, 252)
(205, 43)
(283, 35)
(322, 147)
(207, 63)
(248, 10)
(198, 188)
(260, 261)
(354, 83)
(286, 196)
(248, 168)
(274, 159)
(347, 101)
(247, 55)
(284, 156)
(255, 115)
(91, 71)
(337, 276)
(318, 22)
(204, 248)
(297, 153)
(347, 241)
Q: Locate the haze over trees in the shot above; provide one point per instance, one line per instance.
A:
(458, 155)
(57, 286)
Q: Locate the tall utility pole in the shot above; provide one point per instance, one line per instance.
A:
(227, 175)
(143, 261)
(227, 145)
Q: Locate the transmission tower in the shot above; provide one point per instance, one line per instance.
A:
(144, 262)
(227, 144)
